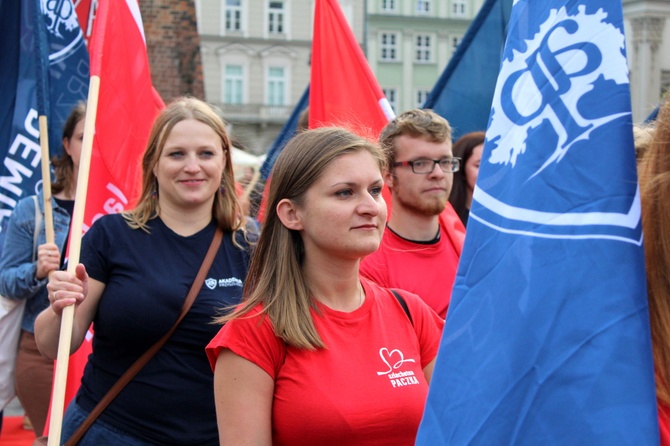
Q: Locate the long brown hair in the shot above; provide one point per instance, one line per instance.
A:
(226, 209)
(655, 190)
(63, 165)
(276, 278)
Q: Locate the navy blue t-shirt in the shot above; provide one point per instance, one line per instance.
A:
(147, 277)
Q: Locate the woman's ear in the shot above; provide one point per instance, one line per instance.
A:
(289, 216)
(389, 178)
(66, 145)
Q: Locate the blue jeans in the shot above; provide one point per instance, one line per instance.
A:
(99, 434)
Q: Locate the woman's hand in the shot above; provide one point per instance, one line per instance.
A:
(48, 259)
(66, 289)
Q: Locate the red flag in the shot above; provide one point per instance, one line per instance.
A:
(343, 90)
(127, 106)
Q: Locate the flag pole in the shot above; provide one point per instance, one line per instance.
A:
(46, 181)
(67, 319)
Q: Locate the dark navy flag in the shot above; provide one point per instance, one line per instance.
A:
(547, 337)
(42, 53)
(464, 91)
(287, 132)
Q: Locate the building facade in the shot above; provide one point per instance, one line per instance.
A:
(410, 42)
(647, 26)
(256, 57)
(256, 54)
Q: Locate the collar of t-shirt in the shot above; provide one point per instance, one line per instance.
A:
(420, 242)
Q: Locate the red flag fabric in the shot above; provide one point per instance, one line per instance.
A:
(127, 106)
(86, 14)
(343, 90)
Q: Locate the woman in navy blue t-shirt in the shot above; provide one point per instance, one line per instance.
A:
(137, 268)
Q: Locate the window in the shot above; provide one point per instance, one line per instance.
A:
(276, 85)
(423, 6)
(276, 17)
(233, 16)
(388, 5)
(458, 7)
(233, 84)
(391, 96)
(421, 96)
(455, 41)
(424, 48)
(389, 47)
(665, 83)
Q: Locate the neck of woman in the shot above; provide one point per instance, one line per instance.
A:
(185, 223)
(336, 287)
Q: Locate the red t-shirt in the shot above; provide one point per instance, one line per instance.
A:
(366, 387)
(664, 423)
(427, 270)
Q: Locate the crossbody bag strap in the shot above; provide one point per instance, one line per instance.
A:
(144, 359)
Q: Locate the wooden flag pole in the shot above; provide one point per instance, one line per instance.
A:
(67, 319)
(46, 181)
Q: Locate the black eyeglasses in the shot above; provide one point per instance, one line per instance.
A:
(426, 165)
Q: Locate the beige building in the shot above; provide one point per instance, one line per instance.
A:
(647, 24)
(256, 60)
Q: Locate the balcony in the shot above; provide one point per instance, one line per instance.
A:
(256, 113)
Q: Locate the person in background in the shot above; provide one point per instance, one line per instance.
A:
(24, 268)
(137, 268)
(468, 148)
(315, 354)
(420, 249)
(654, 170)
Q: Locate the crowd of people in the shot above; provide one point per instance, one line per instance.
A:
(322, 327)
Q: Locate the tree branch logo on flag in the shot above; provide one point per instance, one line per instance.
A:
(555, 91)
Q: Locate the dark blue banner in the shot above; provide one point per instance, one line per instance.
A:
(547, 339)
(44, 70)
(464, 91)
(287, 132)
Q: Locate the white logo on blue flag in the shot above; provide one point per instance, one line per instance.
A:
(554, 93)
(63, 26)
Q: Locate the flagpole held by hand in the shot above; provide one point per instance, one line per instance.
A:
(67, 319)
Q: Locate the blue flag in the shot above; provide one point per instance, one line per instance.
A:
(547, 339)
(43, 55)
(464, 91)
(287, 132)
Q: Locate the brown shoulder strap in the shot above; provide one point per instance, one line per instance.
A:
(144, 359)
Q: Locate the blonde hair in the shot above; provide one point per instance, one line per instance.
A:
(643, 134)
(226, 209)
(655, 189)
(276, 278)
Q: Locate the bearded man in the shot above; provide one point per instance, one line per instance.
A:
(423, 238)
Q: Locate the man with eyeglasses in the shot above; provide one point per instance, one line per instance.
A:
(422, 242)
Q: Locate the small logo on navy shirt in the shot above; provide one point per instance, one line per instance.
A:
(231, 281)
